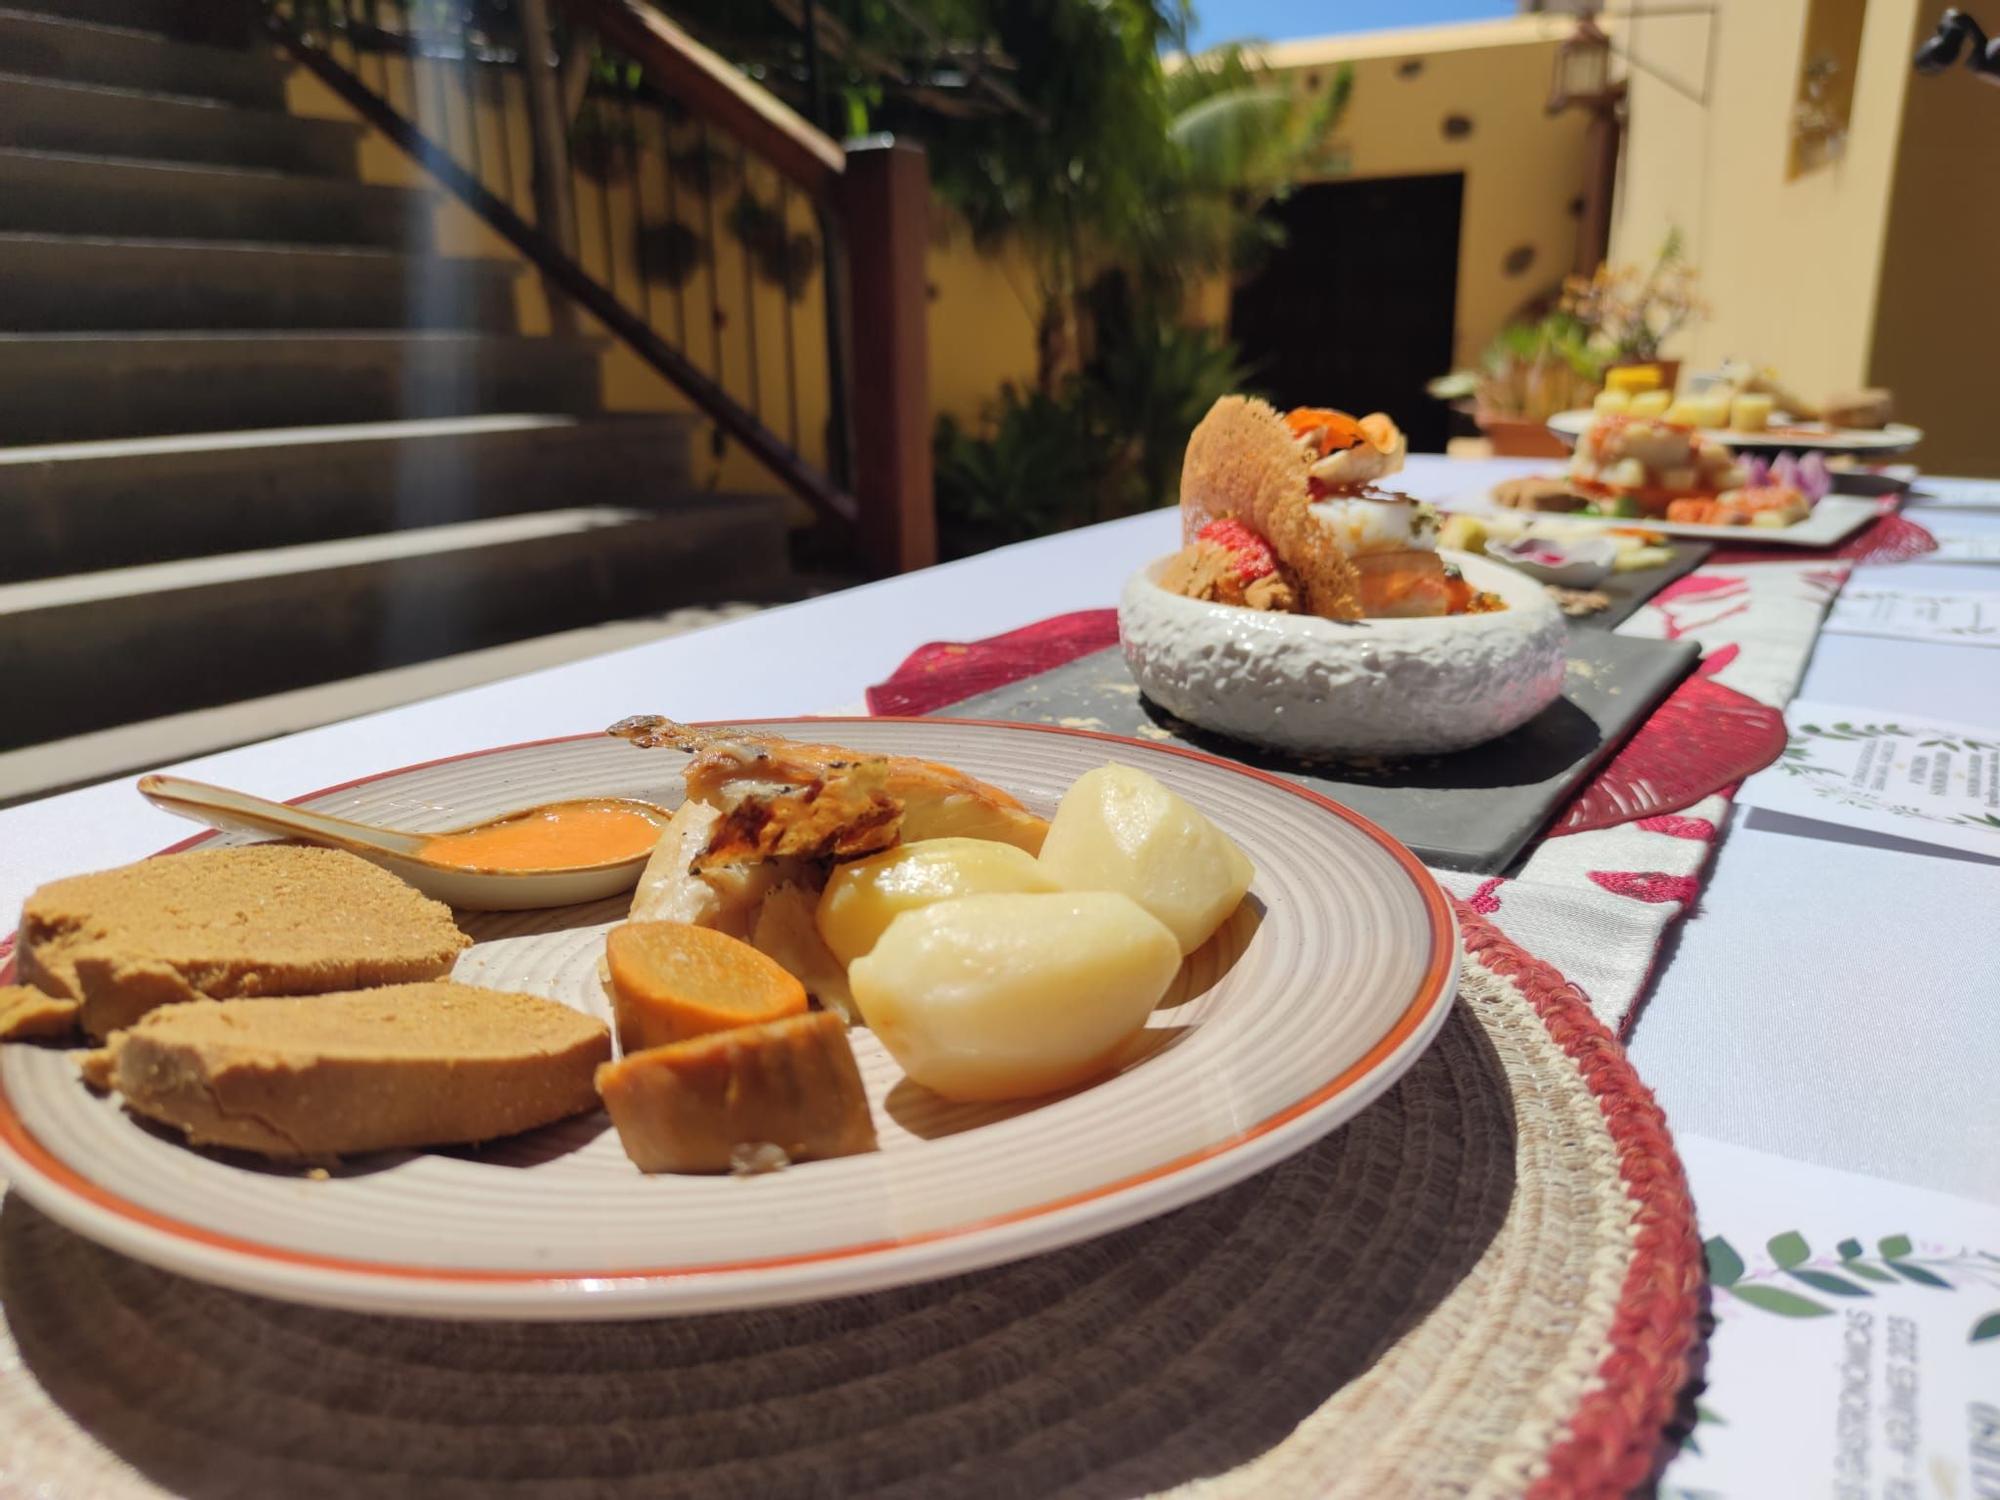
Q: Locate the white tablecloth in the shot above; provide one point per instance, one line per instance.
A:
(1829, 1002)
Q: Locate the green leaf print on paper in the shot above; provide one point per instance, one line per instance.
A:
(1826, 1281)
(1725, 1266)
(1849, 1249)
(1789, 1249)
(1919, 1275)
(1894, 1247)
(1867, 1272)
(1777, 1300)
(1986, 1328)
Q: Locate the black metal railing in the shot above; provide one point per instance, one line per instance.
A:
(700, 248)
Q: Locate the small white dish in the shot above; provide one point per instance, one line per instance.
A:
(1580, 564)
(1366, 687)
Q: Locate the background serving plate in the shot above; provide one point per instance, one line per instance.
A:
(1322, 990)
(1879, 442)
(1833, 519)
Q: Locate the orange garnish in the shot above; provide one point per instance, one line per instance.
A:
(1336, 428)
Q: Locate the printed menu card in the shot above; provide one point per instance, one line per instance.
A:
(1856, 1351)
(1923, 779)
(1962, 619)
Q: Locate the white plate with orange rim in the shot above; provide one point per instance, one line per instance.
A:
(1326, 985)
(1787, 437)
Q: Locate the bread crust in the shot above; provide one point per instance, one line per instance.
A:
(258, 919)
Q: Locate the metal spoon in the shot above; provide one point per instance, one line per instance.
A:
(399, 851)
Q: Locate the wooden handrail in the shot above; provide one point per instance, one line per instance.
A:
(807, 157)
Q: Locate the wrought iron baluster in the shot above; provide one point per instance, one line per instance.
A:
(674, 217)
(750, 292)
(639, 155)
(432, 62)
(714, 258)
(505, 105)
(468, 82)
(791, 319)
(604, 211)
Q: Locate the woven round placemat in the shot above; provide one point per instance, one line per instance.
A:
(1486, 1284)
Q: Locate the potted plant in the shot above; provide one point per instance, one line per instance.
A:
(1632, 312)
(1531, 371)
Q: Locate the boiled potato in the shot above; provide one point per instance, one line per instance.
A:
(1010, 995)
(1119, 830)
(862, 898)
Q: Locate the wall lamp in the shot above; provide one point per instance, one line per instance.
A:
(1955, 31)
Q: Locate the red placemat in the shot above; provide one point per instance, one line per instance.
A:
(1702, 740)
(1890, 537)
(942, 672)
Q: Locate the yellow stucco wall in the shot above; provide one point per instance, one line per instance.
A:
(1871, 269)
(1789, 265)
(1523, 167)
(1937, 320)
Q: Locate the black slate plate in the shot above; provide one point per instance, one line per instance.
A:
(1630, 590)
(1474, 810)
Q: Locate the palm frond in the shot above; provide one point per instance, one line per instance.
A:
(1235, 138)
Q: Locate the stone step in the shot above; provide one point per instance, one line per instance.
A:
(39, 114)
(53, 192)
(204, 20)
(100, 649)
(52, 283)
(69, 387)
(77, 507)
(128, 749)
(46, 46)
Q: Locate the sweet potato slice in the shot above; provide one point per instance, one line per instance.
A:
(671, 981)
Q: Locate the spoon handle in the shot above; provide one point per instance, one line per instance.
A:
(220, 807)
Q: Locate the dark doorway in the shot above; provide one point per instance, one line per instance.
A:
(1356, 310)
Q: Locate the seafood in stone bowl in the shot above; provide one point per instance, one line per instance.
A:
(1313, 611)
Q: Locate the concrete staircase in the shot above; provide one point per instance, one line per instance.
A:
(257, 435)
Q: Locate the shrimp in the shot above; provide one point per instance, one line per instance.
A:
(1699, 510)
(1342, 451)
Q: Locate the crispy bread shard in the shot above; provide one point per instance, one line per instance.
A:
(1242, 461)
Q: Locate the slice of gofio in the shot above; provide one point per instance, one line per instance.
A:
(671, 981)
(693, 1105)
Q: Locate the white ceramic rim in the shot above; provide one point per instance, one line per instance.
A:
(66, 1195)
(1522, 593)
(1895, 437)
